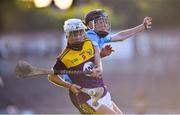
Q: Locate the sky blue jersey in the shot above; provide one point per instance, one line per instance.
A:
(96, 41)
(95, 38)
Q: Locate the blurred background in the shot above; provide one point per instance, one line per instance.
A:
(142, 74)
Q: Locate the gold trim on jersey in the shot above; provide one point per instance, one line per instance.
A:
(72, 58)
(63, 53)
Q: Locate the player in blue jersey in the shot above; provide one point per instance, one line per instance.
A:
(81, 54)
(99, 27)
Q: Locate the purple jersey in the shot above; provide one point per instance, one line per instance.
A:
(82, 60)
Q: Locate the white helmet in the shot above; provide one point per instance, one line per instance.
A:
(73, 24)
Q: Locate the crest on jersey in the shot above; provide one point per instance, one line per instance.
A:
(88, 66)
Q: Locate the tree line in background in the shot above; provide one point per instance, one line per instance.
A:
(21, 15)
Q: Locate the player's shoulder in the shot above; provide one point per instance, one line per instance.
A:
(107, 39)
(63, 53)
(88, 40)
(90, 33)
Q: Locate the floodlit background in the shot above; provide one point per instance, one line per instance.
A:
(142, 74)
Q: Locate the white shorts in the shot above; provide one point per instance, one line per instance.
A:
(106, 100)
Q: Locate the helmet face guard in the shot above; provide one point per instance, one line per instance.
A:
(103, 21)
(98, 16)
(76, 33)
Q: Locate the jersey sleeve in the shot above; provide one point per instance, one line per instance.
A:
(59, 66)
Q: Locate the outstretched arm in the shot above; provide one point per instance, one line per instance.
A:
(124, 34)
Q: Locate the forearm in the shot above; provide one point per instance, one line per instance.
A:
(55, 79)
(98, 61)
(122, 35)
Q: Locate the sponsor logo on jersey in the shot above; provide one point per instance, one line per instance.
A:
(88, 66)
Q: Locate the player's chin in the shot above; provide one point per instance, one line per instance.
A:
(78, 41)
(105, 29)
